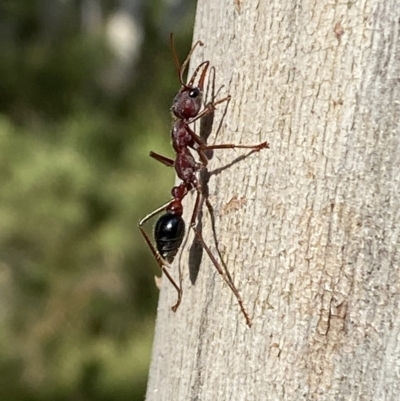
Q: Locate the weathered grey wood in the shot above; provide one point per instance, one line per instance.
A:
(312, 241)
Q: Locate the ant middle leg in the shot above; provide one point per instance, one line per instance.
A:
(202, 148)
(255, 148)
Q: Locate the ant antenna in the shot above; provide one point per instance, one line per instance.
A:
(181, 68)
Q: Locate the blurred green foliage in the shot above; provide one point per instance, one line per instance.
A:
(77, 293)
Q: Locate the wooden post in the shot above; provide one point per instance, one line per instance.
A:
(309, 230)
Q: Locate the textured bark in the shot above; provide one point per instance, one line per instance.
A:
(309, 229)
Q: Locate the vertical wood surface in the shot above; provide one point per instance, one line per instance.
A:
(309, 230)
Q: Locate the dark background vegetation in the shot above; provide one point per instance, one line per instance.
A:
(85, 91)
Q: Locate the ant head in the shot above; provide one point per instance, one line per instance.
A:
(187, 102)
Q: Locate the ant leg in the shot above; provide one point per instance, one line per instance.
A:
(160, 261)
(256, 148)
(163, 265)
(209, 108)
(152, 214)
(162, 159)
(202, 146)
(198, 204)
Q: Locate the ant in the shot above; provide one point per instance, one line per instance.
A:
(169, 230)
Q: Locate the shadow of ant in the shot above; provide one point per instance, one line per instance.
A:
(196, 249)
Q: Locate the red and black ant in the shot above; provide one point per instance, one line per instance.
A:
(169, 230)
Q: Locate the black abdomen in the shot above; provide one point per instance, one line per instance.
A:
(168, 235)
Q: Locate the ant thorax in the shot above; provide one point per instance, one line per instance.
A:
(181, 136)
(186, 166)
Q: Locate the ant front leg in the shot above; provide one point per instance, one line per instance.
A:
(209, 108)
(159, 259)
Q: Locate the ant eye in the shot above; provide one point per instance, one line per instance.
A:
(195, 92)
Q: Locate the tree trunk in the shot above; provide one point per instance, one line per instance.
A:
(309, 229)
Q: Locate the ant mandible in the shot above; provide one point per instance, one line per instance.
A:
(169, 230)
